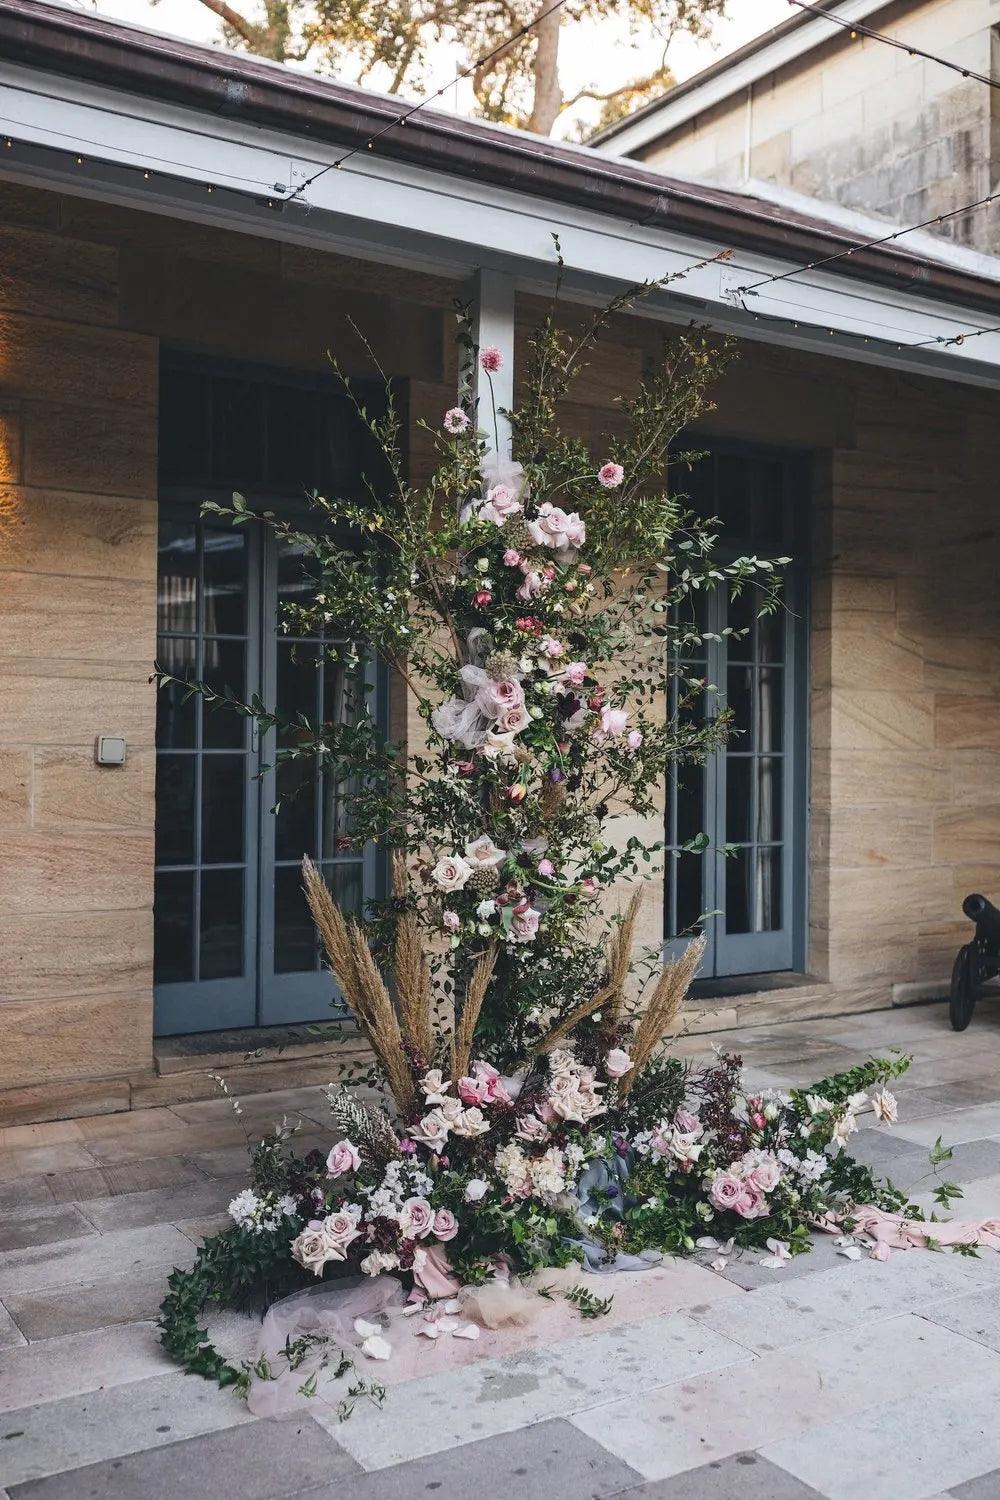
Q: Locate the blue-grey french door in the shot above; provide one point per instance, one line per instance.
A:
(748, 799)
(234, 945)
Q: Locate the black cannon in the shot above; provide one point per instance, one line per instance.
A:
(977, 962)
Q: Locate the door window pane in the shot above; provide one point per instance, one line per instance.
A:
(296, 949)
(767, 892)
(176, 711)
(223, 789)
(177, 582)
(689, 871)
(173, 928)
(769, 807)
(225, 582)
(175, 786)
(739, 700)
(738, 896)
(295, 830)
(221, 924)
(739, 798)
(690, 803)
(224, 670)
(770, 709)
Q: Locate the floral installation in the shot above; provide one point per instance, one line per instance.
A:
(532, 1115)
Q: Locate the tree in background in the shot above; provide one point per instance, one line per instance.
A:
(387, 43)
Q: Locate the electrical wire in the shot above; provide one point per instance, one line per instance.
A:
(856, 29)
(407, 114)
(884, 239)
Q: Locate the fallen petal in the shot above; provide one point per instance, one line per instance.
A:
(376, 1348)
(366, 1330)
(727, 1247)
(429, 1331)
(468, 1331)
(707, 1242)
(774, 1262)
(719, 1265)
(452, 1305)
(413, 1307)
(850, 1252)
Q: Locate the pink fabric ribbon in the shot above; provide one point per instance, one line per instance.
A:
(434, 1276)
(892, 1231)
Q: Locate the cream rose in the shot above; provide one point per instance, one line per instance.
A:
(312, 1250)
(432, 1131)
(483, 854)
(451, 873)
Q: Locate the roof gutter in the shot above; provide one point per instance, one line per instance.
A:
(236, 87)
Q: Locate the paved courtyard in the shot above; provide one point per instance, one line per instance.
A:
(832, 1377)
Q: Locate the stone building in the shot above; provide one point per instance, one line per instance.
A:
(167, 299)
(843, 118)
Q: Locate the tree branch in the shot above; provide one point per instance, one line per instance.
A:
(232, 18)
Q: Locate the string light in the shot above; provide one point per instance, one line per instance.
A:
(400, 120)
(885, 239)
(856, 29)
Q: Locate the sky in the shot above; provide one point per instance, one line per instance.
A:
(581, 42)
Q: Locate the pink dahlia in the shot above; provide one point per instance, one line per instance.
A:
(611, 475)
(455, 421)
(491, 359)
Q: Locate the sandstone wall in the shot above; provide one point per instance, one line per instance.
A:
(866, 125)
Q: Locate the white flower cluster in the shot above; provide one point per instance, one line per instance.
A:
(572, 1092)
(261, 1215)
(809, 1167)
(399, 1182)
(543, 1177)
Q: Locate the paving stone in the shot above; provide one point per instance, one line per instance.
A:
(31, 1161)
(261, 1461)
(983, 1487)
(975, 1124)
(908, 1167)
(163, 1205)
(976, 1316)
(266, 1109)
(916, 1445)
(10, 1334)
(746, 1475)
(82, 1430)
(435, 1412)
(43, 1226)
(230, 1161)
(81, 1362)
(550, 1459)
(97, 1258)
(944, 1098)
(744, 1269)
(48, 1314)
(854, 1293)
(146, 1174)
(199, 1230)
(781, 1394)
(25, 1192)
(66, 1187)
(162, 1141)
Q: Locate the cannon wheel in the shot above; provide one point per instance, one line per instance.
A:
(963, 988)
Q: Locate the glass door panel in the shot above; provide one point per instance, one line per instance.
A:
(205, 896)
(746, 799)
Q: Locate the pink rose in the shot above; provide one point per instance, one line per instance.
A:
(445, 1224)
(533, 585)
(726, 1191)
(455, 421)
(495, 698)
(343, 1158)
(501, 503)
(491, 359)
(687, 1123)
(613, 721)
(472, 1090)
(611, 475)
(766, 1175)
(451, 921)
(552, 647)
(524, 923)
(575, 673)
(553, 527)
(546, 868)
(617, 1063)
(341, 1230)
(514, 720)
(416, 1219)
(531, 1128)
(511, 558)
(750, 1204)
(634, 739)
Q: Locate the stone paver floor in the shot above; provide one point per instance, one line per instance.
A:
(830, 1378)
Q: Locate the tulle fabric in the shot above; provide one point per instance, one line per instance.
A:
(325, 1312)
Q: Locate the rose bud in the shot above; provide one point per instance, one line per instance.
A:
(517, 792)
(482, 598)
(562, 746)
(465, 767)
(596, 701)
(585, 569)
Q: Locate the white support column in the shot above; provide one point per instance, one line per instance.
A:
(492, 295)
